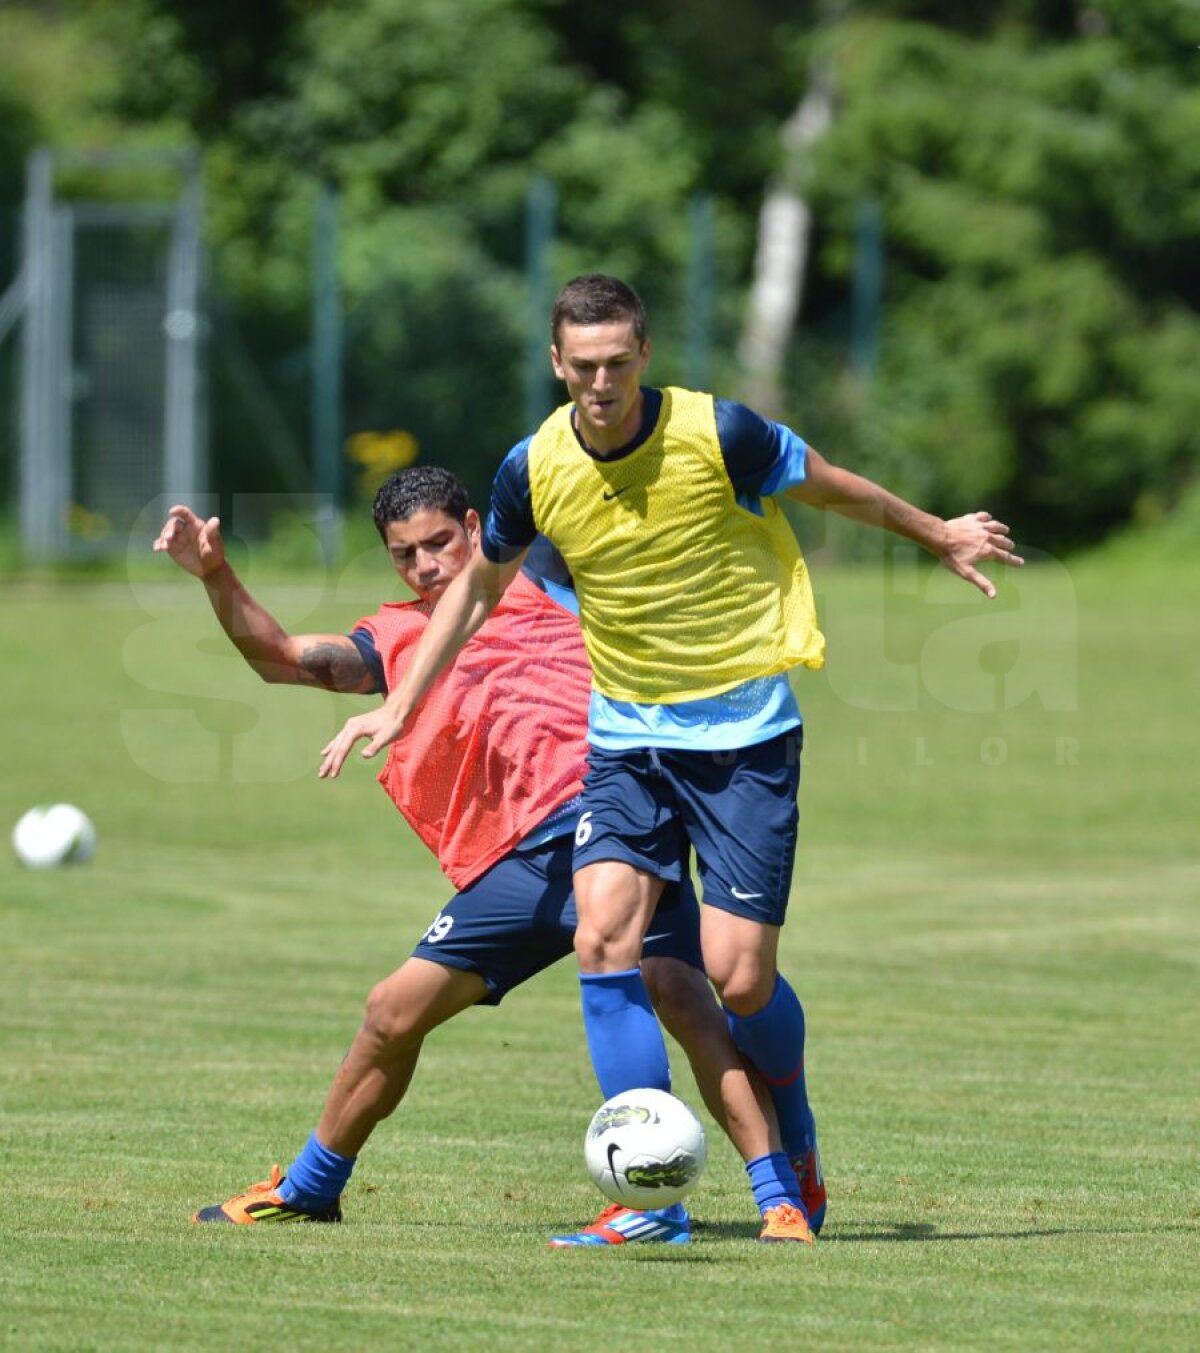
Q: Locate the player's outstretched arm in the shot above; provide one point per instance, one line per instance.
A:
(330, 661)
(960, 543)
(462, 609)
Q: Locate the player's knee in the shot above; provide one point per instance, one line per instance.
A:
(591, 948)
(745, 987)
(388, 1021)
(607, 949)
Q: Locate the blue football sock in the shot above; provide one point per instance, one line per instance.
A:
(626, 1044)
(773, 1181)
(316, 1177)
(773, 1039)
(676, 1212)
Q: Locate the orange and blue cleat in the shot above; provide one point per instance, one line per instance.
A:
(785, 1223)
(261, 1203)
(620, 1225)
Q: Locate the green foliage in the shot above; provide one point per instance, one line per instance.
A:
(419, 100)
(1041, 202)
(18, 131)
(431, 119)
(1160, 531)
(1037, 164)
(730, 73)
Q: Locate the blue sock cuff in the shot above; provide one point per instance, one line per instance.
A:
(676, 1212)
(316, 1177)
(778, 992)
(773, 1037)
(773, 1181)
(603, 993)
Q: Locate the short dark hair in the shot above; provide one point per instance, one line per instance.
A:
(417, 489)
(597, 298)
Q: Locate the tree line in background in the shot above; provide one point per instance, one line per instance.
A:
(1034, 166)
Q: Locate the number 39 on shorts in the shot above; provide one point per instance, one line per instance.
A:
(439, 928)
(583, 829)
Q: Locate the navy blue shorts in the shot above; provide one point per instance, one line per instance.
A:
(737, 808)
(519, 918)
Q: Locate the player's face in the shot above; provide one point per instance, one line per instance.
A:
(430, 549)
(603, 365)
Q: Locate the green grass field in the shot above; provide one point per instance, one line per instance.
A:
(995, 928)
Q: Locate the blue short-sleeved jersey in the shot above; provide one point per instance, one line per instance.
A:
(762, 458)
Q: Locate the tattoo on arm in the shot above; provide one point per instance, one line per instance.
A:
(336, 667)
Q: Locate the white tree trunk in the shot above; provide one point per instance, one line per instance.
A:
(781, 259)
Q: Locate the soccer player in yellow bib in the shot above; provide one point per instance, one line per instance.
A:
(695, 603)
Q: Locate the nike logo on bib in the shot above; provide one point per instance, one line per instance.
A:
(616, 493)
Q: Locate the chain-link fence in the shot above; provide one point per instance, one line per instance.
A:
(135, 372)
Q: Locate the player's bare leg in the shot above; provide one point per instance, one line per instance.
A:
(735, 1096)
(740, 958)
(370, 1083)
(767, 1024)
(376, 1072)
(614, 902)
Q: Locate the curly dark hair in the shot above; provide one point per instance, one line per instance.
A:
(597, 298)
(417, 489)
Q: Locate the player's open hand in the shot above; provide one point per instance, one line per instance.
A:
(380, 727)
(974, 539)
(194, 544)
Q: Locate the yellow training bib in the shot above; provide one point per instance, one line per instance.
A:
(683, 593)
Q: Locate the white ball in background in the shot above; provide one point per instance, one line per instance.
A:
(52, 835)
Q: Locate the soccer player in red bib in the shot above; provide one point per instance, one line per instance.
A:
(490, 781)
(695, 603)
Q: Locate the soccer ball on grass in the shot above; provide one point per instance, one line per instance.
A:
(54, 834)
(645, 1148)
